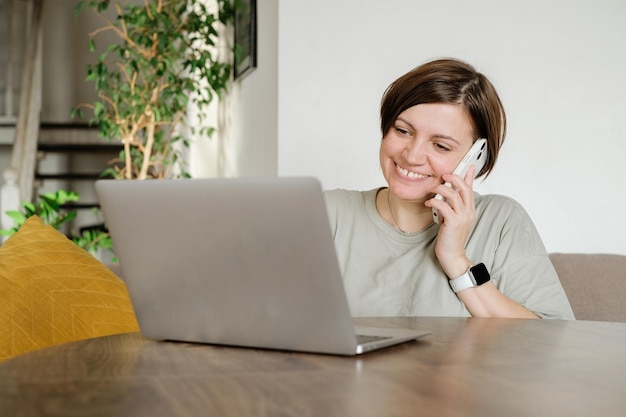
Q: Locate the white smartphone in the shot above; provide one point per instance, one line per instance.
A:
(477, 156)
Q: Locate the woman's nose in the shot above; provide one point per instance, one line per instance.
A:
(414, 153)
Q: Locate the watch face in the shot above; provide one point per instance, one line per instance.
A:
(480, 274)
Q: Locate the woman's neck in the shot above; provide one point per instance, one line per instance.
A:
(407, 217)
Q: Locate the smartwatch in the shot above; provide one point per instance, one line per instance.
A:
(475, 276)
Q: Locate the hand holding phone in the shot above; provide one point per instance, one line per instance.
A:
(477, 156)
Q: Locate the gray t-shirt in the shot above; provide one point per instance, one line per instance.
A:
(389, 273)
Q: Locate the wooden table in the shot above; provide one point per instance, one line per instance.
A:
(467, 367)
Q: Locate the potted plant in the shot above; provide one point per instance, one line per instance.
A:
(50, 209)
(165, 58)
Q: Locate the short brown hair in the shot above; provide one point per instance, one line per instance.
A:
(455, 82)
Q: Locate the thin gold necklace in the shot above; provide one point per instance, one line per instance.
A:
(395, 222)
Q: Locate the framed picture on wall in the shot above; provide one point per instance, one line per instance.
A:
(245, 38)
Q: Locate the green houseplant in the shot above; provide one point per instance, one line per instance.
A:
(49, 209)
(166, 57)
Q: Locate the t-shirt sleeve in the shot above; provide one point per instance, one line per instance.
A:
(520, 267)
(332, 197)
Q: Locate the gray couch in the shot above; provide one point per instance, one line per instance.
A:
(594, 283)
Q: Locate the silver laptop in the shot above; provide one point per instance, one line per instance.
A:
(243, 262)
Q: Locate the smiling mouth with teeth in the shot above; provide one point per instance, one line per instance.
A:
(410, 174)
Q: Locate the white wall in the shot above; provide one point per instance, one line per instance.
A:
(560, 67)
(248, 116)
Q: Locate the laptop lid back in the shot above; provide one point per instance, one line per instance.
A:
(246, 261)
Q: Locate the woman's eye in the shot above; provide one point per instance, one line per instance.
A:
(441, 147)
(402, 131)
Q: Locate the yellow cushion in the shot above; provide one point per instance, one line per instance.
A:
(52, 291)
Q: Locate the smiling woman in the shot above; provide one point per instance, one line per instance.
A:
(426, 142)
(485, 257)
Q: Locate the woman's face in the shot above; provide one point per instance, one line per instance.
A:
(425, 142)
